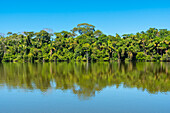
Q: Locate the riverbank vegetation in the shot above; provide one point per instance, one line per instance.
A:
(84, 43)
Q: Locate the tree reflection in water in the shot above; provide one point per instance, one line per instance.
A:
(86, 79)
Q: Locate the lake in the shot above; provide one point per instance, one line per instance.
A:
(141, 87)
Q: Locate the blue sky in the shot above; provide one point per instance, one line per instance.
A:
(109, 16)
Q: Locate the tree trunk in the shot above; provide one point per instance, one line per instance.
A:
(87, 54)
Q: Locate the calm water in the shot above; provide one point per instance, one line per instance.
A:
(85, 88)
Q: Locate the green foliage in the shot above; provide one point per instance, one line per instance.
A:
(157, 57)
(84, 28)
(164, 57)
(18, 59)
(1, 52)
(148, 58)
(140, 56)
(84, 43)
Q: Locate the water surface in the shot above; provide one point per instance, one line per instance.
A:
(85, 88)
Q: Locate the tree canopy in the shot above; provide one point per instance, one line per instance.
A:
(85, 43)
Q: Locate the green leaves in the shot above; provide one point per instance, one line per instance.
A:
(90, 44)
(84, 28)
(1, 51)
(141, 56)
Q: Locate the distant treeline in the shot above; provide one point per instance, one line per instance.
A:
(84, 43)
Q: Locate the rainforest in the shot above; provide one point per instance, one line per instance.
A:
(85, 43)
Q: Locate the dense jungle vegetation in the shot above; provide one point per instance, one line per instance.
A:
(84, 43)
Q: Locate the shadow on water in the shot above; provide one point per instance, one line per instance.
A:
(86, 79)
